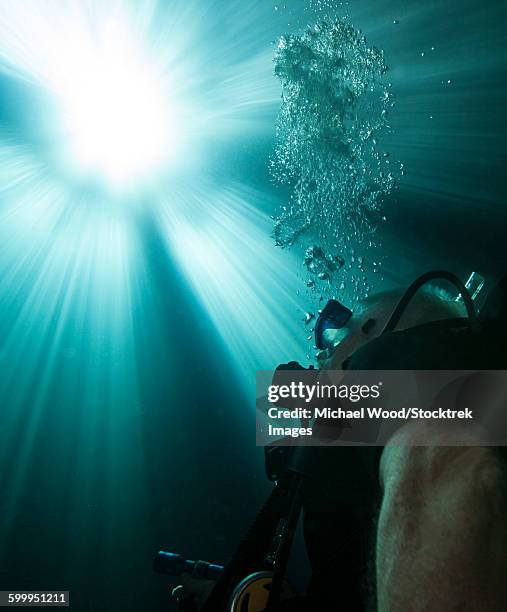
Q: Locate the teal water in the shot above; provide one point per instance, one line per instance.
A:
(132, 320)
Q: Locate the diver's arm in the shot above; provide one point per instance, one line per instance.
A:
(442, 531)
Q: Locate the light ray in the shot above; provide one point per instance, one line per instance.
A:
(248, 287)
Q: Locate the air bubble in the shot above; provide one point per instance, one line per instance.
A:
(308, 317)
(334, 111)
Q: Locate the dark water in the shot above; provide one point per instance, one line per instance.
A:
(131, 326)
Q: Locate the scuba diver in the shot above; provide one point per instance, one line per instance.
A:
(410, 526)
(434, 517)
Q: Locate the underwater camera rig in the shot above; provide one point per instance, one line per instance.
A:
(254, 579)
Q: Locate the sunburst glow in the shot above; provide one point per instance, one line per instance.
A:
(118, 113)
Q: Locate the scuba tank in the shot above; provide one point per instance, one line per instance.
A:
(465, 343)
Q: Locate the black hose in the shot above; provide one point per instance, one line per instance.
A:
(418, 283)
(250, 553)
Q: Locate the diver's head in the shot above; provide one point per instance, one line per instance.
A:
(372, 314)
